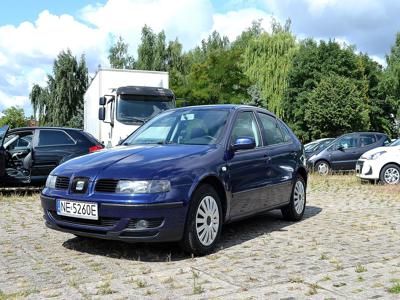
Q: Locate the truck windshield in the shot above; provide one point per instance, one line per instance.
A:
(133, 109)
(189, 127)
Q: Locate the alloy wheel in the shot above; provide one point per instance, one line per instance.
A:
(207, 220)
(323, 168)
(299, 197)
(392, 176)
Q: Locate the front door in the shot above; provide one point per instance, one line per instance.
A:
(246, 168)
(345, 153)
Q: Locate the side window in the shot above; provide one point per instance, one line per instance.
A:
(347, 142)
(367, 139)
(285, 132)
(54, 138)
(272, 134)
(245, 126)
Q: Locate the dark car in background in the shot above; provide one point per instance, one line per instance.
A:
(316, 146)
(180, 177)
(28, 155)
(342, 153)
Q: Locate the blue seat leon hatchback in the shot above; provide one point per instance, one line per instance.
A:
(180, 177)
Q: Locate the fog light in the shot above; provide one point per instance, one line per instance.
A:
(142, 224)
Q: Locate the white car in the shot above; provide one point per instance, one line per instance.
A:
(382, 163)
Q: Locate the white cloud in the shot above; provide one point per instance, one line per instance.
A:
(232, 23)
(371, 25)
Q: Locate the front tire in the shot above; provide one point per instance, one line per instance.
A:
(390, 174)
(295, 210)
(204, 222)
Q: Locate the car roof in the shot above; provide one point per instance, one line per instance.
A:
(224, 106)
(44, 127)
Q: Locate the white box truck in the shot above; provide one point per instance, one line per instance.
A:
(117, 102)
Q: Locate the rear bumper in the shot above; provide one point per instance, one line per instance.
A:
(165, 221)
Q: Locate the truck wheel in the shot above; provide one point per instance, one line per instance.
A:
(390, 174)
(294, 211)
(204, 222)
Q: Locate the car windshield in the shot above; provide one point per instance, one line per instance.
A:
(395, 143)
(189, 127)
(138, 109)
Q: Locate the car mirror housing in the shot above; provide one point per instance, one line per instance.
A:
(244, 143)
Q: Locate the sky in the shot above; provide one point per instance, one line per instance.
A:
(32, 33)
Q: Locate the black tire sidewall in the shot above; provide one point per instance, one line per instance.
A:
(191, 240)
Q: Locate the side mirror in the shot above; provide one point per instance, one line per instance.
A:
(102, 101)
(243, 143)
(340, 148)
(102, 113)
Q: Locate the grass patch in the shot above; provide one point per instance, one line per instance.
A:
(395, 288)
(361, 269)
(105, 289)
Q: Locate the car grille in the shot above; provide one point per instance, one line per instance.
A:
(102, 222)
(359, 169)
(151, 223)
(62, 182)
(106, 185)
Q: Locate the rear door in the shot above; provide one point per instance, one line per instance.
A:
(50, 147)
(345, 153)
(3, 133)
(280, 163)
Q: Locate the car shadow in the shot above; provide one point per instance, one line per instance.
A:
(232, 234)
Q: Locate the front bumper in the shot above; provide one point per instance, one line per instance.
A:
(367, 169)
(166, 221)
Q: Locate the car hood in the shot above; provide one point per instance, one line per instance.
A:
(135, 162)
(379, 149)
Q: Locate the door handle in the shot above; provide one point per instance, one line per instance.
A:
(267, 157)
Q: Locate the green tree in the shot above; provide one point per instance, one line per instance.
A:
(336, 106)
(267, 61)
(14, 117)
(312, 62)
(62, 98)
(119, 57)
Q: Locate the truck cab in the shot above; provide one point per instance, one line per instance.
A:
(126, 108)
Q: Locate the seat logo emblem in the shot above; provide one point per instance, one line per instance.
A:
(79, 185)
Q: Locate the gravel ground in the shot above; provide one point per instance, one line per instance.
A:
(347, 246)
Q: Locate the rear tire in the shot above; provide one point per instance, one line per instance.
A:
(390, 174)
(322, 168)
(295, 210)
(204, 222)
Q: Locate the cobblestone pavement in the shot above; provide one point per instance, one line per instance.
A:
(347, 246)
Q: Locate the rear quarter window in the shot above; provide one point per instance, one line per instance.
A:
(54, 138)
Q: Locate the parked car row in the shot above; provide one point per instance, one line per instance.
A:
(369, 153)
(28, 155)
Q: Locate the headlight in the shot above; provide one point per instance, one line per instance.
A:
(143, 186)
(51, 181)
(375, 155)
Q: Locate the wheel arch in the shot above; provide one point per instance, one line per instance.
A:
(303, 173)
(217, 184)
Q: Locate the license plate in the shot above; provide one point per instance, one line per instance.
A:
(77, 209)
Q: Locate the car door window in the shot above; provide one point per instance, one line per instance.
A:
(367, 139)
(54, 138)
(245, 126)
(346, 143)
(271, 131)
